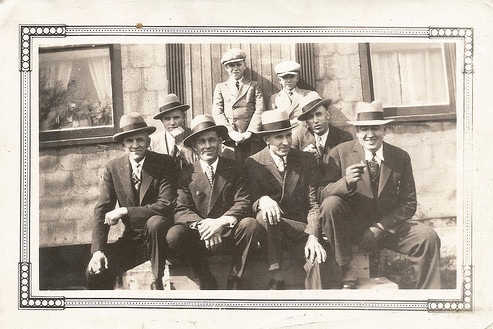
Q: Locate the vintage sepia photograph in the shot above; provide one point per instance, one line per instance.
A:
(197, 161)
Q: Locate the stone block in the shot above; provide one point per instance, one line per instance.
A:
(155, 78)
(57, 182)
(48, 161)
(351, 90)
(142, 55)
(325, 49)
(148, 106)
(55, 233)
(160, 54)
(332, 90)
(140, 278)
(347, 48)
(380, 283)
(70, 161)
(355, 66)
(125, 48)
(132, 79)
(86, 177)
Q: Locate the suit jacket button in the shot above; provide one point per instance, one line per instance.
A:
(197, 193)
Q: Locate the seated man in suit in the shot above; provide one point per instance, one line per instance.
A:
(212, 207)
(288, 74)
(284, 184)
(369, 198)
(170, 140)
(237, 104)
(319, 136)
(141, 183)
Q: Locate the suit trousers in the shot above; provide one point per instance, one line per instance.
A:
(289, 235)
(126, 253)
(186, 243)
(344, 227)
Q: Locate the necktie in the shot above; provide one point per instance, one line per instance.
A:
(209, 172)
(320, 147)
(237, 84)
(290, 94)
(374, 168)
(281, 165)
(136, 177)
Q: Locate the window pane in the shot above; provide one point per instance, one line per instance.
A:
(409, 74)
(75, 89)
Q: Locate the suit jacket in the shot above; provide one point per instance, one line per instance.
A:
(296, 193)
(396, 200)
(304, 136)
(238, 110)
(198, 200)
(282, 101)
(159, 145)
(157, 195)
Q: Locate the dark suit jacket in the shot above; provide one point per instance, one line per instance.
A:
(396, 201)
(238, 110)
(157, 195)
(303, 136)
(296, 193)
(198, 200)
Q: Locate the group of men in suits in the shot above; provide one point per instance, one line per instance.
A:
(296, 184)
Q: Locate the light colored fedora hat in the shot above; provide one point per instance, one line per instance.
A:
(233, 55)
(369, 114)
(275, 121)
(310, 102)
(131, 123)
(170, 102)
(287, 67)
(202, 123)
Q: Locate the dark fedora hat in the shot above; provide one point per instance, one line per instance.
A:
(170, 102)
(131, 123)
(202, 123)
(275, 121)
(310, 102)
(369, 114)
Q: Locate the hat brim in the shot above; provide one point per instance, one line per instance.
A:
(182, 108)
(264, 132)
(370, 122)
(325, 101)
(221, 131)
(119, 136)
(287, 73)
(233, 61)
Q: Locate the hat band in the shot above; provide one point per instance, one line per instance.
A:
(132, 126)
(308, 106)
(203, 125)
(169, 106)
(276, 125)
(365, 116)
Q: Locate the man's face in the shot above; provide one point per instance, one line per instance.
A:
(136, 145)
(172, 120)
(289, 81)
(236, 69)
(207, 145)
(318, 120)
(279, 143)
(370, 137)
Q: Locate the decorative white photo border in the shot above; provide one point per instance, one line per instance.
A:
(464, 36)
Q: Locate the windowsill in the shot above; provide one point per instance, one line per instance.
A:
(423, 117)
(74, 142)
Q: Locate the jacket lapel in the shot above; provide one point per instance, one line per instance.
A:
(203, 189)
(385, 168)
(267, 161)
(357, 156)
(148, 172)
(124, 171)
(293, 170)
(243, 89)
(220, 181)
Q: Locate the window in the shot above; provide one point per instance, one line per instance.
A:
(80, 94)
(413, 80)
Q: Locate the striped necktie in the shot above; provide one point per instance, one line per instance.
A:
(136, 177)
(209, 172)
(320, 147)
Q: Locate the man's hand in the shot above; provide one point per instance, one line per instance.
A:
(186, 153)
(235, 136)
(313, 150)
(354, 173)
(211, 226)
(214, 242)
(98, 262)
(370, 238)
(271, 212)
(179, 134)
(112, 217)
(314, 251)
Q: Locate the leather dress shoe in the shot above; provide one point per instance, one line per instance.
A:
(234, 283)
(275, 284)
(157, 284)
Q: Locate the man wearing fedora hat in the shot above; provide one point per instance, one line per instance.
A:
(319, 136)
(170, 140)
(237, 105)
(370, 197)
(141, 183)
(288, 74)
(283, 184)
(212, 207)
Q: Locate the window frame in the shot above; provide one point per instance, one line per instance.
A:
(99, 135)
(411, 113)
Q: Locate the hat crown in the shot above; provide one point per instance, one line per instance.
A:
(287, 67)
(202, 121)
(233, 55)
(375, 106)
(311, 97)
(369, 114)
(169, 99)
(132, 120)
(275, 120)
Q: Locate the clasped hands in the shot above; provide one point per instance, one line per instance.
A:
(210, 230)
(239, 137)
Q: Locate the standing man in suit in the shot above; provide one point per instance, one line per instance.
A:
(319, 136)
(170, 140)
(212, 207)
(370, 197)
(141, 183)
(284, 183)
(288, 74)
(238, 104)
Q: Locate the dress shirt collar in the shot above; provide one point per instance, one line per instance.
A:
(133, 163)
(233, 80)
(204, 165)
(378, 156)
(324, 137)
(278, 161)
